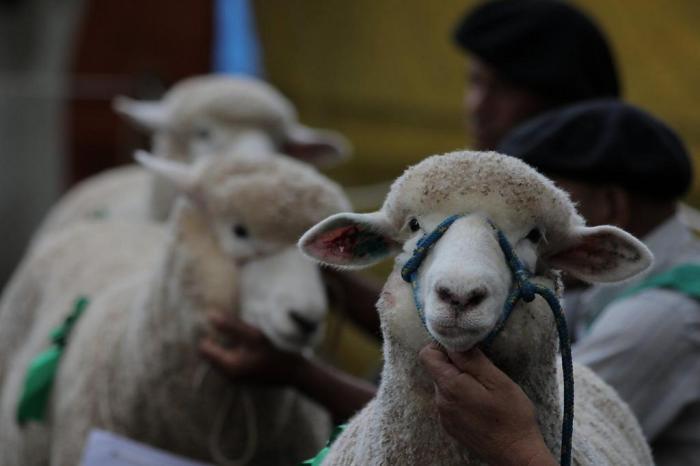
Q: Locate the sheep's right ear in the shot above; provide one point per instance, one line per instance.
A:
(179, 174)
(602, 254)
(150, 116)
(350, 240)
(318, 147)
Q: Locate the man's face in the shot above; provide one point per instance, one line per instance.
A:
(494, 106)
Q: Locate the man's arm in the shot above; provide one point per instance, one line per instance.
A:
(254, 359)
(357, 296)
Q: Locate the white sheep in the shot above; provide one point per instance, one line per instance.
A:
(198, 117)
(463, 285)
(131, 365)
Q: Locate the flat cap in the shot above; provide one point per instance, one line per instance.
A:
(547, 46)
(605, 142)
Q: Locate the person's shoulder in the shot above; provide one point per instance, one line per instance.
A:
(660, 311)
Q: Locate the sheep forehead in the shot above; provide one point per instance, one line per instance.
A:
(504, 188)
(233, 99)
(277, 199)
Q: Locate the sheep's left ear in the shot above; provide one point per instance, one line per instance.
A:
(149, 116)
(350, 240)
(179, 174)
(602, 254)
(317, 147)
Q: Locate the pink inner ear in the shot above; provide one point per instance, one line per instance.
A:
(336, 245)
(350, 244)
(597, 254)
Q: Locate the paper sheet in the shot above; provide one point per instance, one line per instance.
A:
(108, 449)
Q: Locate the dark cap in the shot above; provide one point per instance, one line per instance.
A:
(605, 142)
(547, 46)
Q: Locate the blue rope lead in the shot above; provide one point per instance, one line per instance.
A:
(523, 288)
(409, 272)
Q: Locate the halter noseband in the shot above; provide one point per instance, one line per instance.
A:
(522, 288)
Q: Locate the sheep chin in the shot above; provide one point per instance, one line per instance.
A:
(457, 343)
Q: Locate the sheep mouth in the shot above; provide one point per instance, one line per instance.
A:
(456, 338)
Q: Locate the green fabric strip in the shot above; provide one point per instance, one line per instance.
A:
(42, 369)
(318, 459)
(684, 278)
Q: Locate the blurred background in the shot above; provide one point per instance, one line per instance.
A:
(383, 73)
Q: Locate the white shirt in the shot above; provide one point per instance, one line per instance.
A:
(647, 346)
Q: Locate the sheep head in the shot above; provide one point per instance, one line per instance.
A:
(206, 114)
(255, 209)
(464, 281)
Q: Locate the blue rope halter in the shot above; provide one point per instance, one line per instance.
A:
(522, 288)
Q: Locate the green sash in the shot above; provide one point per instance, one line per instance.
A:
(42, 369)
(318, 459)
(684, 278)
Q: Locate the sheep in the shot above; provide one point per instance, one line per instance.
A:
(464, 282)
(131, 365)
(197, 117)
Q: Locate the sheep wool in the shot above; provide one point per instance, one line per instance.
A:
(464, 284)
(132, 365)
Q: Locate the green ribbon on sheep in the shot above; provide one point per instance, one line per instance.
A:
(318, 459)
(42, 369)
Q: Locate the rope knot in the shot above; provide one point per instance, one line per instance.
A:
(527, 291)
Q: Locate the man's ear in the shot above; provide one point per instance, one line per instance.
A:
(602, 254)
(350, 240)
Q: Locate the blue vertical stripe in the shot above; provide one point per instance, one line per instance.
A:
(236, 47)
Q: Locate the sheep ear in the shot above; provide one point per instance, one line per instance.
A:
(321, 148)
(180, 175)
(350, 240)
(602, 254)
(146, 115)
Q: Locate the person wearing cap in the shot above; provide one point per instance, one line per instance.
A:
(527, 57)
(625, 167)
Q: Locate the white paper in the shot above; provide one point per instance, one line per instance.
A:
(108, 449)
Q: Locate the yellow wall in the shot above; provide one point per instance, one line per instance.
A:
(384, 72)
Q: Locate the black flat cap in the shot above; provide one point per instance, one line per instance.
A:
(605, 142)
(544, 45)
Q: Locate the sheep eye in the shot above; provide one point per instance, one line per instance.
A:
(240, 231)
(535, 235)
(414, 225)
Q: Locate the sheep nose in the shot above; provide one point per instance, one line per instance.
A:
(462, 300)
(305, 324)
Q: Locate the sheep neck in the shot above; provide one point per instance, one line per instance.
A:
(166, 325)
(406, 392)
(163, 194)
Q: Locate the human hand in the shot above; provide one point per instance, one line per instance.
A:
(251, 356)
(483, 409)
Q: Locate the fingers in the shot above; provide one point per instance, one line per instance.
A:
(436, 362)
(235, 328)
(476, 364)
(226, 358)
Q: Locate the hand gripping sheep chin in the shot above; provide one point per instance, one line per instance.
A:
(132, 366)
(456, 283)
